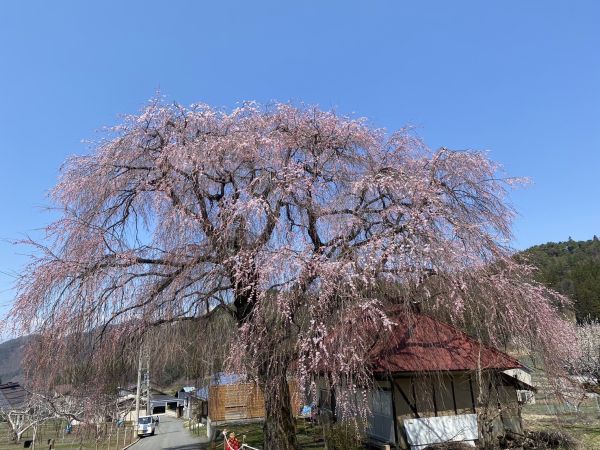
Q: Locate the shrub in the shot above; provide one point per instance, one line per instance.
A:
(539, 440)
(449, 446)
(343, 436)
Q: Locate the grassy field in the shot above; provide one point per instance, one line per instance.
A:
(194, 428)
(579, 418)
(584, 429)
(106, 437)
(552, 414)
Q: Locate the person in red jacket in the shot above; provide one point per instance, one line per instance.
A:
(232, 443)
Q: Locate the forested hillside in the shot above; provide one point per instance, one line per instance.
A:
(10, 359)
(572, 268)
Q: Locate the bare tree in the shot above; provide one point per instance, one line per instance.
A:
(288, 220)
(29, 415)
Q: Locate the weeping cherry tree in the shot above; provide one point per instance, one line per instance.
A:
(287, 221)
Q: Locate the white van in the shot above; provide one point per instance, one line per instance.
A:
(146, 426)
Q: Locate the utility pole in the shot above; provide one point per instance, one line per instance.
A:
(148, 402)
(139, 388)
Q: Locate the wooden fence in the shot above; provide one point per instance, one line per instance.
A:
(105, 436)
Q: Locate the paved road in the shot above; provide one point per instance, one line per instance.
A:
(170, 435)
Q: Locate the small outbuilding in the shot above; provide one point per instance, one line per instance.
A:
(233, 399)
(434, 384)
(437, 384)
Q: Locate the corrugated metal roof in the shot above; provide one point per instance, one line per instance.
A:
(12, 396)
(423, 344)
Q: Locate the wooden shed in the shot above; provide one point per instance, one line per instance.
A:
(242, 401)
(434, 383)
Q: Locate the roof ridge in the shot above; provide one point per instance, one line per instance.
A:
(472, 338)
(420, 342)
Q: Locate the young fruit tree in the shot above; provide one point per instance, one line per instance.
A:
(283, 223)
(585, 363)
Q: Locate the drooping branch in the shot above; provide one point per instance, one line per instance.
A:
(282, 223)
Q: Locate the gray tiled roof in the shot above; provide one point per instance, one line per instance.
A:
(12, 396)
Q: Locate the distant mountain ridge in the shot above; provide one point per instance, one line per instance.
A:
(573, 269)
(11, 353)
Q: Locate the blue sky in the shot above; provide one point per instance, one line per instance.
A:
(520, 79)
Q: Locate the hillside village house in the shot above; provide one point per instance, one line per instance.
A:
(13, 404)
(194, 402)
(160, 403)
(437, 384)
(12, 397)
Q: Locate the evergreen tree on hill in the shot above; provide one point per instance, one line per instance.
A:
(573, 269)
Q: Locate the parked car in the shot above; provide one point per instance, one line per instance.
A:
(146, 426)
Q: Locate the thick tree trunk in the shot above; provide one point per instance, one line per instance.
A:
(279, 427)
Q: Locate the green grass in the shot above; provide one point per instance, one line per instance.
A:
(550, 413)
(583, 427)
(310, 437)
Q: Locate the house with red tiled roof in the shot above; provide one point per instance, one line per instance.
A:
(435, 383)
